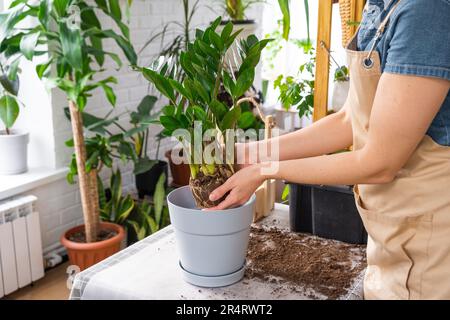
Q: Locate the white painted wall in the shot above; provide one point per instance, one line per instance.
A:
(58, 202)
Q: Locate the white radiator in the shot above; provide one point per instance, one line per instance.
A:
(21, 260)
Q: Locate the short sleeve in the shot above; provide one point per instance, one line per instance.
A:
(419, 41)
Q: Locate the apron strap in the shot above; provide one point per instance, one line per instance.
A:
(368, 62)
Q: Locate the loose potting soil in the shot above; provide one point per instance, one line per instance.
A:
(80, 237)
(325, 266)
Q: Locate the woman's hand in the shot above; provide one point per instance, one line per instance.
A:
(241, 187)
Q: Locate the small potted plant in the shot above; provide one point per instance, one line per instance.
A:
(340, 88)
(13, 143)
(72, 36)
(297, 92)
(212, 245)
(13, 46)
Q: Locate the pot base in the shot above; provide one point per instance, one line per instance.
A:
(212, 282)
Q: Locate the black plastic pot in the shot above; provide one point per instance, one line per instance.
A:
(300, 208)
(326, 211)
(146, 182)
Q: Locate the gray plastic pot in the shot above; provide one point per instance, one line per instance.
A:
(13, 148)
(211, 244)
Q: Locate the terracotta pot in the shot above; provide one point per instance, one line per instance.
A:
(85, 255)
(180, 172)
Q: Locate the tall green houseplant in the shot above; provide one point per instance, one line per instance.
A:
(71, 34)
(196, 99)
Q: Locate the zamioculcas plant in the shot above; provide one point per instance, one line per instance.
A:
(196, 99)
(72, 36)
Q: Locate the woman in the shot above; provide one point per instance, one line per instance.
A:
(397, 117)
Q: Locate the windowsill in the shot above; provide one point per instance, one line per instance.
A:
(11, 185)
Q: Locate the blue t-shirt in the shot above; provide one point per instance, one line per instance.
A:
(416, 41)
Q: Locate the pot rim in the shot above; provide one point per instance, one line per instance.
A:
(230, 211)
(93, 245)
(13, 133)
(238, 22)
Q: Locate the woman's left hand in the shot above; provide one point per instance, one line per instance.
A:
(241, 187)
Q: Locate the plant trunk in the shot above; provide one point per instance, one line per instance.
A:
(87, 181)
(203, 184)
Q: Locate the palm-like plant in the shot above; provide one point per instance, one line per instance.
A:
(70, 33)
(196, 99)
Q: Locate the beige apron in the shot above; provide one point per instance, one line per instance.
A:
(408, 219)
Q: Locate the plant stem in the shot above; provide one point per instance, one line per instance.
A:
(7, 130)
(89, 198)
(186, 24)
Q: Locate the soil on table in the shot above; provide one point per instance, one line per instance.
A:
(203, 185)
(104, 234)
(327, 267)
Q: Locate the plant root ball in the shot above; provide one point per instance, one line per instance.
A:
(203, 185)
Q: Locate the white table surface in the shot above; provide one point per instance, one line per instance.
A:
(149, 269)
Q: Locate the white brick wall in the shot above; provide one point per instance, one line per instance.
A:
(59, 202)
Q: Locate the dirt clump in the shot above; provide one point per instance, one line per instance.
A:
(303, 261)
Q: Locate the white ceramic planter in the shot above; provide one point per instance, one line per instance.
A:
(212, 245)
(340, 93)
(13, 152)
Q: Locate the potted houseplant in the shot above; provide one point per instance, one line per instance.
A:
(212, 245)
(13, 143)
(340, 88)
(297, 92)
(235, 10)
(147, 171)
(73, 39)
(13, 46)
(115, 207)
(149, 216)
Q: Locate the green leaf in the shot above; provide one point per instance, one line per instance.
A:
(216, 41)
(246, 120)
(218, 109)
(243, 83)
(169, 110)
(228, 83)
(115, 10)
(158, 198)
(146, 105)
(230, 118)
(28, 44)
(61, 6)
(102, 4)
(215, 24)
(226, 31)
(169, 123)
(109, 92)
(125, 208)
(11, 86)
(161, 83)
(284, 7)
(9, 110)
(199, 113)
(152, 224)
(71, 44)
(44, 12)
(43, 69)
(143, 165)
(122, 42)
(285, 193)
(180, 89)
(207, 50)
